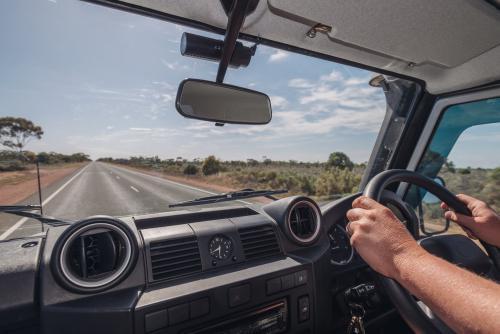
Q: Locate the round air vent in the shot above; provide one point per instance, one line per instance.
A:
(94, 254)
(303, 222)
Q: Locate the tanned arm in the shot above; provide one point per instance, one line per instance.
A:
(464, 301)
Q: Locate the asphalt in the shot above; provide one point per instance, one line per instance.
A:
(102, 189)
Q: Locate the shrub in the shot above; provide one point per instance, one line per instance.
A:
(211, 165)
(190, 170)
(336, 182)
(11, 166)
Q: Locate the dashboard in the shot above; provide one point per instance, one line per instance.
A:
(285, 267)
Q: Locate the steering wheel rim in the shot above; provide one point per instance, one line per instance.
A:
(400, 297)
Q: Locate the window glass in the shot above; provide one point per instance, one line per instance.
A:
(101, 83)
(464, 153)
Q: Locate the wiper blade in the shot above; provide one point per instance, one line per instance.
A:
(26, 211)
(231, 196)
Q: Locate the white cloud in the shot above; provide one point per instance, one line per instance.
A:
(141, 129)
(172, 66)
(356, 81)
(110, 127)
(333, 76)
(300, 83)
(278, 101)
(278, 55)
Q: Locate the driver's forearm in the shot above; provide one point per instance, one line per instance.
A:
(463, 300)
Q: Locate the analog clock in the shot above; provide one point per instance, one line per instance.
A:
(220, 247)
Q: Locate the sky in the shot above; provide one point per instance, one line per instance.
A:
(103, 82)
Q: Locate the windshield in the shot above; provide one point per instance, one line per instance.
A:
(88, 92)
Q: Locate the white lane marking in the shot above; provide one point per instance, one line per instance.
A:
(134, 189)
(20, 222)
(117, 177)
(176, 183)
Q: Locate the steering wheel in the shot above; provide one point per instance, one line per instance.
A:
(454, 248)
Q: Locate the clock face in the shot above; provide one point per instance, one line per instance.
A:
(220, 247)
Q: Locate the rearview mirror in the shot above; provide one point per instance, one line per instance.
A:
(221, 103)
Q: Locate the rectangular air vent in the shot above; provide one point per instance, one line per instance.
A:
(259, 241)
(174, 258)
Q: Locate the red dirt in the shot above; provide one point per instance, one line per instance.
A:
(17, 186)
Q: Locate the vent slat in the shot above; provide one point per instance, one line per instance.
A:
(259, 242)
(177, 255)
(174, 258)
(161, 245)
(173, 250)
(176, 266)
(264, 238)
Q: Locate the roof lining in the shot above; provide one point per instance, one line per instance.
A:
(140, 10)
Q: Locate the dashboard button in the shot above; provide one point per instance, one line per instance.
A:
(155, 320)
(300, 277)
(199, 308)
(239, 295)
(287, 281)
(303, 305)
(273, 285)
(178, 314)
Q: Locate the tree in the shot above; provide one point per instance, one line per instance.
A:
(191, 170)
(211, 165)
(15, 133)
(339, 160)
(450, 166)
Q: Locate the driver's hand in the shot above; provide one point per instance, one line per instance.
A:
(379, 237)
(484, 222)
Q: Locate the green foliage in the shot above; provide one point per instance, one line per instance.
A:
(337, 182)
(339, 160)
(11, 166)
(190, 170)
(52, 158)
(211, 165)
(16, 132)
(465, 171)
(318, 179)
(450, 166)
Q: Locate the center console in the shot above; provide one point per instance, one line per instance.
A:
(271, 297)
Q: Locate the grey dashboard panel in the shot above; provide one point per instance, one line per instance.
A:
(63, 311)
(123, 308)
(18, 276)
(212, 281)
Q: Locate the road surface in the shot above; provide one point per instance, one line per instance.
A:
(100, 188)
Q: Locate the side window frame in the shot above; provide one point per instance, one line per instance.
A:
(432, 124)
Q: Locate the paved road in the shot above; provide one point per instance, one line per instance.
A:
(100, 188)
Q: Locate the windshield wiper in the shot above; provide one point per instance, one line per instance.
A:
(26, 211)
(231, 196)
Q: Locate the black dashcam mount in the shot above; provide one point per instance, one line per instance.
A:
(229, 52)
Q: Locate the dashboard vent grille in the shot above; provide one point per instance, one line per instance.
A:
(304, 222)
(259, 241)
(174, 258)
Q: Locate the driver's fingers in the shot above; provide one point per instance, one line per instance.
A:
(471, 202)
(364, 202)
(444, 206)
(351, 227)
(460, 219)
(355, 214)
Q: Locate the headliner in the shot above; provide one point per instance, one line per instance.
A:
(448, 44)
